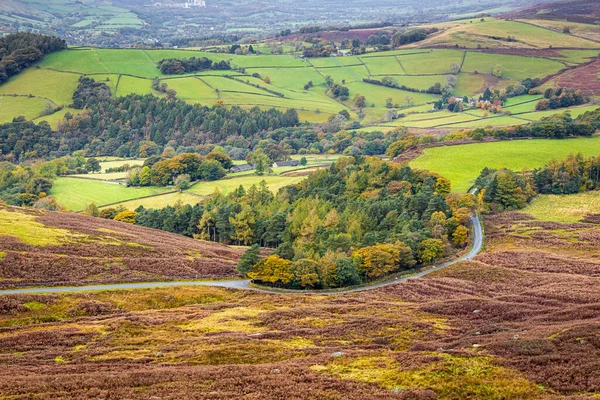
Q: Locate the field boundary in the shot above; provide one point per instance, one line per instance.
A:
(401, 66)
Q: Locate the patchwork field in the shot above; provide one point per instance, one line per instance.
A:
(128, 71)
(462, 164)
(163, 200)
(495, 33)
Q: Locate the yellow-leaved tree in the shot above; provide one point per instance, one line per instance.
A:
(274, 270)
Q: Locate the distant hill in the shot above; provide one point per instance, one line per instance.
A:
(579, 11)
(56, 248)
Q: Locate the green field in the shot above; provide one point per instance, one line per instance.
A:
(513, 67)
(274, 183)
(564, 208)
(75, 194)
(57, 117)
(495, 32)
(162, 201)
(585, 30)
(111, 176)
(55, 86)
(462, 164)
(28, 107)
(132, 70)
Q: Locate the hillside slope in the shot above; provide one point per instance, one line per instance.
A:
(520, 322)
(56, 248)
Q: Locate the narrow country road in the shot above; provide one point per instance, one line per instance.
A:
(477, 244)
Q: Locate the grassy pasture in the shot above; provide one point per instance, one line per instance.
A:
(448, 120)
(462, 164)
(83, 61)
(347, 74)
(274, 183)
(193, 89)
(108, 176)
(131, 71)
(587, 31)
(494, 33)
(468, 84)
(575, 112)
(291, 78)
(384, 66)
(435, 62)
(28, 107)
(128, 85)
(277, 61)
(420, 82)
(513, 67)
(378, 94)
(131, 62)
(162, 201)
(57, 117)
(230, 85)
(564, 208)
(157, 55)
(432, 116)
(578, 56)
(522, 108)
(512, 101)
(489, 121)
(75, 194)
(56, 86)
(395, 53)
(109, 80)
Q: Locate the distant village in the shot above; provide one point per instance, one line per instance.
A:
(186, 4)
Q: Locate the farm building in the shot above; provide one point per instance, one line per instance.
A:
(290, 163)
(242, 168)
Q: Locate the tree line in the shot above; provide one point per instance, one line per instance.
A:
(508, 190)
(176, 66)
(556, 126)
(135, 126)
(180, 170)
(20, 50)
(143, 126)
(560, 97)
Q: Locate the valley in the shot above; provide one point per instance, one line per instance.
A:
(283, 200)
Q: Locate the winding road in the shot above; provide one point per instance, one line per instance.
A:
(245, 284)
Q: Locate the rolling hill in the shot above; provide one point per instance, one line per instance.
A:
(57, 248)
(52, 82)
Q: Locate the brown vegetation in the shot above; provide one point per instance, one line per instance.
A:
(581, 11)
(86, 249)
(520, 321)
(584, 78)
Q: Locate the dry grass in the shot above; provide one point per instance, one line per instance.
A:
(519, 322)
(61, 248)
(564, 208)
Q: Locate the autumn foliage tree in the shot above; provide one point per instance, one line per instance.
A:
(273, 270)
(430, 250)
(305, 273)
(127, 216)
(381, 259)
(460, 237)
